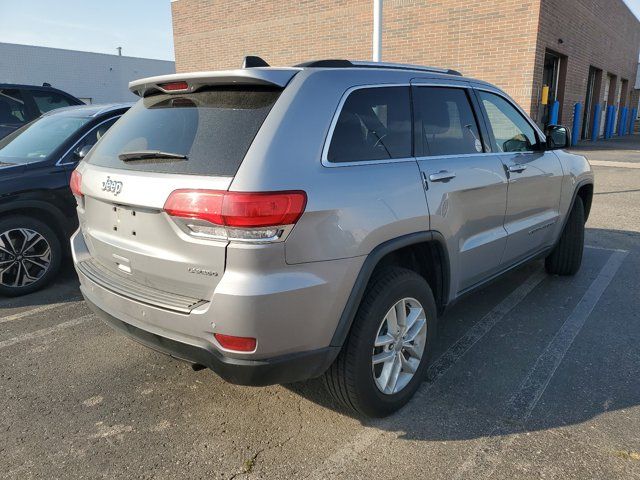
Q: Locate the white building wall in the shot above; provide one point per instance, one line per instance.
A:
(102, 78)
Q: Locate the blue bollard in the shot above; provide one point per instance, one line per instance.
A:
(610, 121)
(595, 127)
(625, 123)
(607, 123)
(575, 131)
(621, 121)
(553, 116)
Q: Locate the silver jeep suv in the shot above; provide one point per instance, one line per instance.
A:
(278, 224)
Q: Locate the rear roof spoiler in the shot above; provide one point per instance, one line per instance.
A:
(278, 77)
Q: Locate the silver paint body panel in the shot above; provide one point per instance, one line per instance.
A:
(290, 295)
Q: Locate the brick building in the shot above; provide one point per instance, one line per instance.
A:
(583, 50)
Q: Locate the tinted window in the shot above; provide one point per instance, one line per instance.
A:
(37, 140)
(510, 129)
(374, 124)
(46, 101)
(447, 122)
(12, 108)
(213, 128)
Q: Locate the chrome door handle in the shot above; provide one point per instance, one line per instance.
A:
(442, 176)
(517, 168)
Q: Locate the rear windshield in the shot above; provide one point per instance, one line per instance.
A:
(212, 128)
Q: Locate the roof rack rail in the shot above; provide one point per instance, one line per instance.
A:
(331, 63)
(335, 63)
(406, 66)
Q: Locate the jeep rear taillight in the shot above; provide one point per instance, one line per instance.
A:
(261, 216)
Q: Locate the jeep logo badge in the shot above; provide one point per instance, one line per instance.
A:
(112, 186)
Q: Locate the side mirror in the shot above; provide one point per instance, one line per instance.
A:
(81, 152)
(558, 137)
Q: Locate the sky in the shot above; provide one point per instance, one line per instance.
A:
(141, 27)
(634, 5)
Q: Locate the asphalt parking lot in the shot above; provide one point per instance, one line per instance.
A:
(534, 377)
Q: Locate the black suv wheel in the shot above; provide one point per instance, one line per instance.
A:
(566, 257)
(29, 255)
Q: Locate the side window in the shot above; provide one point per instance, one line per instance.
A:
(446, 121)
(46, 101)
(89, 140)
(12, 108)
(510, 129)
(374, 124)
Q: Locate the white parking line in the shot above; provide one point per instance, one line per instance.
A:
(597, 247)
(350, 451)
(489, 451)
(611, 163)
(33, 311)
(44, 332)
(456, 351)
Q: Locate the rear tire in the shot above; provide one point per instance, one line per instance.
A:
(30, 255)
(353, 379)
(566, 257)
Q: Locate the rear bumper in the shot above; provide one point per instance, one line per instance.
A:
(283, 369)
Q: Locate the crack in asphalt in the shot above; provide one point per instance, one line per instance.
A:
(252, 461)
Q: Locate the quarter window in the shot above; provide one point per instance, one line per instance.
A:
(374, 124)
(446, 121)
(511, 131)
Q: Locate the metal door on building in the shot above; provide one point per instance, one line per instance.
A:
(617, 105)
(591, 98)
(606, 102)
(550, 82)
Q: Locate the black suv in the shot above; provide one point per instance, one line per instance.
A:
(19, 104)
(37, 208)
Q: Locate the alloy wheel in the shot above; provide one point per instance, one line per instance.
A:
(399, 346)
(25, 256)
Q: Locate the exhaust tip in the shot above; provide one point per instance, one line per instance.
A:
(197, 367)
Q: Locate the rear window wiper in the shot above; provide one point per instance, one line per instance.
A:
(150, 154)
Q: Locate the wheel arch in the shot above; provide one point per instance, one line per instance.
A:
(585, 192)
(42, 211)
(423, 252)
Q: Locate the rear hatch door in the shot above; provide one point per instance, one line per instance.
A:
(199, 139)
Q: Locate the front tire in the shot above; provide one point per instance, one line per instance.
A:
(30, 255)
(386, 355)
(566, 257)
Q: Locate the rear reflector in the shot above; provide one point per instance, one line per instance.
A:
(76, 183)
(174, 86)
(238, 209)
(239, 344)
